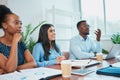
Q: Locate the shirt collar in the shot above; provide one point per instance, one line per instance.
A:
(81, 38)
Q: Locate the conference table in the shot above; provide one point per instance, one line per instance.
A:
(90, 76)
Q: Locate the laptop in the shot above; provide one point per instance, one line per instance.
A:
(115, 50)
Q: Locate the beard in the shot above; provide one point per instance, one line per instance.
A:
(87, 33)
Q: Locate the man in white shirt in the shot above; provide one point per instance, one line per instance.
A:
(81, 46)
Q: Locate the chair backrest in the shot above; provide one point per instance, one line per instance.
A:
(66, 54)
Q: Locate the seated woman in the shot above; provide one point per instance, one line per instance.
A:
(46, 52)
(13, 53)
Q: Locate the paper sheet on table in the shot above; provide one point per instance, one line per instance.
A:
(31, 74)
(116, 64)
(41, 72)
(12, 76)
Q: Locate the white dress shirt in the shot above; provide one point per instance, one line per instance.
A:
(81, 48)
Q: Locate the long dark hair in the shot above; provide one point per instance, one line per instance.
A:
(43, 38)
(4, 11)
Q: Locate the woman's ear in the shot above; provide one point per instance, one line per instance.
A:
(4, 25)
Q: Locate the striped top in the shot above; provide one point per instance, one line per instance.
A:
(5, 50)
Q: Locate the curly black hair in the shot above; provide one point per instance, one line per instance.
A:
(4, 11)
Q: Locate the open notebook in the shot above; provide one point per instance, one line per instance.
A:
(87, 63)
(41, 73)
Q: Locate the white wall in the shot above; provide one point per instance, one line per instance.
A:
(1, 32)
(34, 11)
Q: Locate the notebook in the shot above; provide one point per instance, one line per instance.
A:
(87, 63)
(110, 70)
(40, 73)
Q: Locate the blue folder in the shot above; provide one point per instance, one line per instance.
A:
(110, 70)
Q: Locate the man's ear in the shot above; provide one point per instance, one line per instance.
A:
(4, 25)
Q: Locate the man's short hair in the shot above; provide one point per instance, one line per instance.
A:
(79, 23)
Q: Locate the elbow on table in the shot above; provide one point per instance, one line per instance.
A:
(9, 70)
(34, 64)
